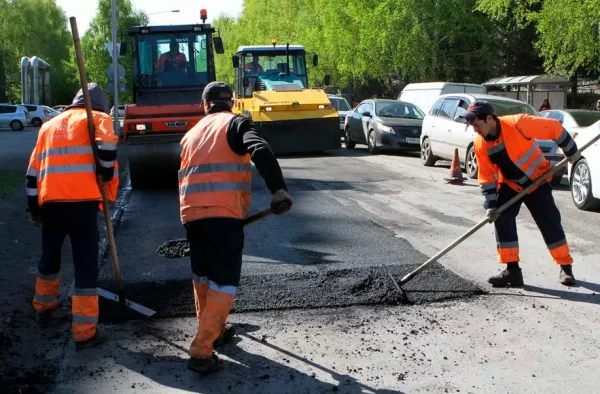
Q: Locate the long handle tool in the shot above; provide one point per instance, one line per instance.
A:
(109, 229)
(510, 202)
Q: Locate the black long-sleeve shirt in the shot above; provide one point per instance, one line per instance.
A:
(243, 138)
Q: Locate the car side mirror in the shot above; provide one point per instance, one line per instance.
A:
(315, 60)
(236, 61)
(218, 43)
(458, 119)
(366, 114)
(327, 80)
(123, 49)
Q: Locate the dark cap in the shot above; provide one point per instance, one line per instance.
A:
(218, 91)
(479, 107)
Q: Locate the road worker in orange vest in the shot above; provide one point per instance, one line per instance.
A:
(63, 197)
(509, 160)
(215, 194)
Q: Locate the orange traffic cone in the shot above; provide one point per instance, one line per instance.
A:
(456, 175)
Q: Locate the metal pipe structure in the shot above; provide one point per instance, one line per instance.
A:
(35, 80)
(25, 80)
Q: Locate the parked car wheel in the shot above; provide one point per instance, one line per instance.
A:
(581, 186)
(426, 155)
(348, 141)
(16, 125)
(471, 163)
(372, 143)
(37, 122)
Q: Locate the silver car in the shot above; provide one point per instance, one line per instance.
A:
(342, 106)
(14, 116)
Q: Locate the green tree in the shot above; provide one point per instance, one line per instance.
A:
(373, 45)
(569, 35)
(35, 28)
(97, 58)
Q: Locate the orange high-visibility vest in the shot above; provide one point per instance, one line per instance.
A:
(177, 60)
(516, 150)
(63, 160)
(214, 181)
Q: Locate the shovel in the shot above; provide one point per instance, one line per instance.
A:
(479, 225)
(111, 238)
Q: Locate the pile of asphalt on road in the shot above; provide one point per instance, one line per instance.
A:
(308, 289)
(175, 248)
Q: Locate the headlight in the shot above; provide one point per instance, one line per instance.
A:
(559, 151)
(386, 129)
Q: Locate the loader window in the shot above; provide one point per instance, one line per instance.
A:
(171, 60)
(272, 63)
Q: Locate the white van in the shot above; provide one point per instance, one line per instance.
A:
(425, 94)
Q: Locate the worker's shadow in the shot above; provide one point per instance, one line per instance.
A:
(563, 294)
(250, 373)
(570, 295)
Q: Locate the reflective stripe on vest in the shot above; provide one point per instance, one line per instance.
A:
(67, 150)
(63, 164)
(528, 163)
(213, 182)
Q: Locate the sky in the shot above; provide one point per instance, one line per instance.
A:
(189, 10)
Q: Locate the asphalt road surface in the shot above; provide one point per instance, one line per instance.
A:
(15, 148)
(317, 311)
(321, 254)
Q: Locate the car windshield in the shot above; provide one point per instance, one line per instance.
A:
(511, 108)
(585, 119)
(339, 104)
(398, 110)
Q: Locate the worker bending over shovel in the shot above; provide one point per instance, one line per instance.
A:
(64, 198)
(509, 160)
(215, 194)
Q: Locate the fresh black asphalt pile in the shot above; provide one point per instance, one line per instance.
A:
(175, 248)
(303, 290)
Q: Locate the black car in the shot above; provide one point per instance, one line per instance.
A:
(384, 125)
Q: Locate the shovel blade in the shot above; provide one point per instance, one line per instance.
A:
(130, 304)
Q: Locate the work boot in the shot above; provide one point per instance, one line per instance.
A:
(204, 365)
(98, 339)
(566, 275)
(227, 333)
(508, 277)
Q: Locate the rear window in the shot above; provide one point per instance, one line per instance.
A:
(585, 119)
(339, 104)
(510, 108)
(7, 109)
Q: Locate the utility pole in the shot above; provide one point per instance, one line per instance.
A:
(115, 62)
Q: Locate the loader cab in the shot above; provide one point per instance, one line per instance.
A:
(172, 64)
(276, 68)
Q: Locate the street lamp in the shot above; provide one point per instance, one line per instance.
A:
(146, 20)
(162, 12)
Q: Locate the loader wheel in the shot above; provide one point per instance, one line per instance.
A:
(347, 141)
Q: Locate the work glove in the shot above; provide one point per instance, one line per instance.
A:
(491, 214)
(575, 157)
(35, 220)
(281, 202)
